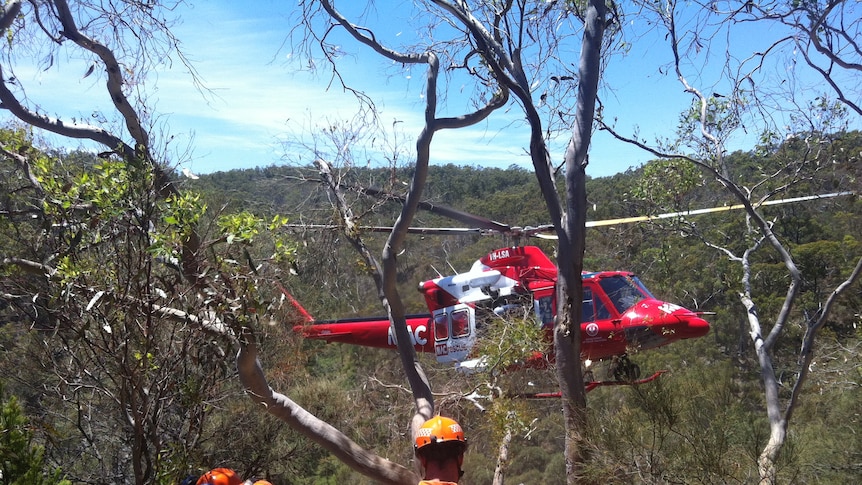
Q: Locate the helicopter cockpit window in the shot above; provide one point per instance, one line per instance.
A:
(643, 288)
(623, 292)
(441, 326)
(460, 324)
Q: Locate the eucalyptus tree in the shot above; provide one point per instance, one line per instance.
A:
(798, 110)
(132, 313)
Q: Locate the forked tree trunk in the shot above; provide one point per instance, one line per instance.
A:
(777, 423)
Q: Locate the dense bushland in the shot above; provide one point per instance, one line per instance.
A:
(75, 361)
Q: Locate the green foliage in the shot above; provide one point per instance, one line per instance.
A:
(679, 427)
(720, 117)
(240, 227)
(143, 383)
(508, 339)
(333, 472)
(244, 227)
(106, 187)
(667, 183)
(21, 461)
(829, 444)
(511, 416)
(182, 213)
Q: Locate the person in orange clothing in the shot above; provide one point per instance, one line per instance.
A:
(220, 476)
(440, 447)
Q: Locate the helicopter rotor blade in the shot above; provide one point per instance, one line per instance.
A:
(455, 214)
(669, 215)
(458, 231)
(485, 226)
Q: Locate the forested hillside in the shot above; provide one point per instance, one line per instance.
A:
(62, 349)
(699, 422)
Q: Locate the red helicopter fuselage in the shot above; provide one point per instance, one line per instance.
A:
(619, 314)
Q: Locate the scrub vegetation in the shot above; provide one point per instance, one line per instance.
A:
(79, 362)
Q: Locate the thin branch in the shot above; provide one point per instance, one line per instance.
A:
(115, 81)
(806, 353)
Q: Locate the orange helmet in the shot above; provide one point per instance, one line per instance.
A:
(262, 482)
(220, 476)
(439, 430)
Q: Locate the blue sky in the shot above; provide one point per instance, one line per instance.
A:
(257, 97)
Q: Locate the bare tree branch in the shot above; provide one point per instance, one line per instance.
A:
(806, 353)
(253, 380)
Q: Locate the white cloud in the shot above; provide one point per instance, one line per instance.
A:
(255, 96)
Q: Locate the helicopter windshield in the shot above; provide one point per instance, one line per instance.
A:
(624, 291)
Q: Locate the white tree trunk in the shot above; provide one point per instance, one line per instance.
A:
(777, 423)
(502, 459)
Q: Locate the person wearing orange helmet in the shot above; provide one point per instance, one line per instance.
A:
(220, 476)
(439, 447)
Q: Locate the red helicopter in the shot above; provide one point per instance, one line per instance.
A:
(618, 315)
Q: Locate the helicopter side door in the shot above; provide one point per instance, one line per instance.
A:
(602, 334)
(454, 332)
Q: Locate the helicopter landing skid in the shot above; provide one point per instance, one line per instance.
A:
(590, 385)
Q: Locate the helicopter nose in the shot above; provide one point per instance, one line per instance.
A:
(693, 326)
(687, 323)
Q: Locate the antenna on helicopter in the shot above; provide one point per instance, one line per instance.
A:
(439, 274)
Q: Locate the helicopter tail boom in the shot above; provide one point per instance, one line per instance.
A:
(370, 332)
